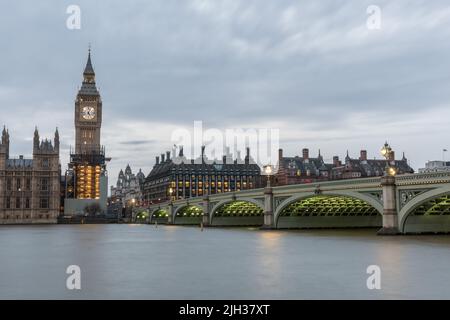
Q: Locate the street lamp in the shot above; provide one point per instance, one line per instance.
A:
(268, 170)
(170, 193)
(387, 152)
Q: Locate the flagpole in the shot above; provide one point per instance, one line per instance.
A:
(443, 154)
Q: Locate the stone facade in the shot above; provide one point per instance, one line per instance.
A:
(436, 166)
(30, 188)
(182, 178)
(363, 167)
(86, 177)
(306, 169)
(128, 187)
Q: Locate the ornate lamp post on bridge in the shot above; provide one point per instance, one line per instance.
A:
(205, 208)
(170, 207)
(268, 199)
(387, 153)
(268, 170)
(390, 216)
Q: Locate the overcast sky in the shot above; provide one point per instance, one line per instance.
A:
(309, 68)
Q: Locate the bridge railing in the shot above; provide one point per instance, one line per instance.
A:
(405, 179)
(423, 178)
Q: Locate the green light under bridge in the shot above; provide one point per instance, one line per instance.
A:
(238, 209)
(435, 207)
(160, 213)
(189, 211)
(142, 215)
(329, 206)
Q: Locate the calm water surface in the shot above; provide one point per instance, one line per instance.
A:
(172, 262)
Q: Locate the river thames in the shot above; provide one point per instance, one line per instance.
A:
(175, 262)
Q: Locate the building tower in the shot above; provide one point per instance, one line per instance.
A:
(86, 178)
(88, 113)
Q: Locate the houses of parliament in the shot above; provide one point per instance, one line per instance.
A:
(34, 190)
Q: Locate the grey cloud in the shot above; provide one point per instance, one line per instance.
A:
(137, 142)
(305, 64)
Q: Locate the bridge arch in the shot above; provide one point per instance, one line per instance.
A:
(258, 203)
(188, 214)
(160, 215)
(329, 210)
(237, 212)
(427, 212)
(142, 216)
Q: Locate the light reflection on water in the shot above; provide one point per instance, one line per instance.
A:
(172, 262)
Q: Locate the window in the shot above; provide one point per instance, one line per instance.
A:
(45, 163)
(8, 184)
(44, 203)
(8, 203)
(17, 203)
(44, 184)
(27, 203)
(18, 184)
(28, 184)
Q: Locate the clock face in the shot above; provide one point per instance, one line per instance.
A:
(88, 113)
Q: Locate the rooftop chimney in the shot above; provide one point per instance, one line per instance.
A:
(336, 162)
(392, 156)
(247, 156)
(363, 155)
(305, 153)
(203, 153)
(280, 154)
(168, 155)
(157, 159)
(162, 157)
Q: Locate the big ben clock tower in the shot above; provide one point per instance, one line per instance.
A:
(86, 177)
(88, 113)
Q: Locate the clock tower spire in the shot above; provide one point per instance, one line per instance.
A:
(88, 113)
(86, 177)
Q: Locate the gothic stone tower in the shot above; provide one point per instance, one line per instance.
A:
(46, 177)
(30, 188)
(88, 113)
(87, 174)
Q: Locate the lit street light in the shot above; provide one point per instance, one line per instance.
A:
(170, 193)
(387, 152)
(268, 170)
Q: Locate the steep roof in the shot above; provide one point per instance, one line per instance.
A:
(299, 163)
(89, 70)
(188, 167)
(19, 163)
(88, 86)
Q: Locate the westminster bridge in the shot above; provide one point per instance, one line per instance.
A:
(412, 203)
